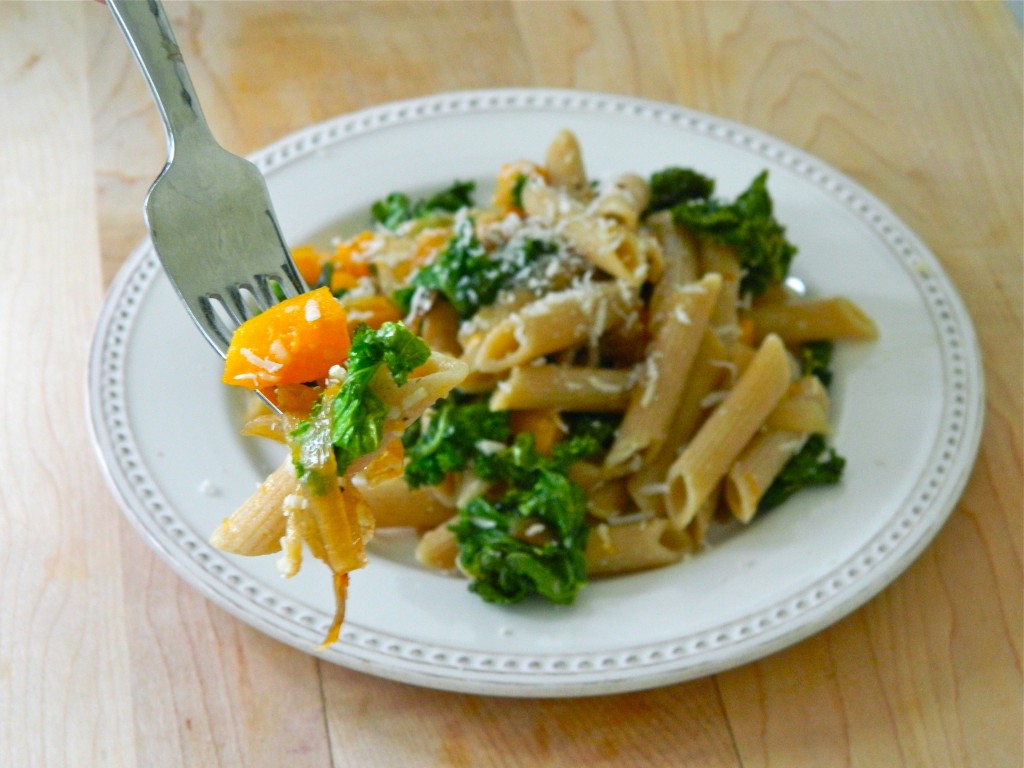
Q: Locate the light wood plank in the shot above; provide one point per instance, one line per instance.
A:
(65, 695)
(375, 722)
(208, 689)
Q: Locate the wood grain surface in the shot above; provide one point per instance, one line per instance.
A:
(108, 659)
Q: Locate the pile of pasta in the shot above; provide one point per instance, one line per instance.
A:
(625, 313)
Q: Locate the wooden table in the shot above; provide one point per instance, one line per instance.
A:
(107, 658)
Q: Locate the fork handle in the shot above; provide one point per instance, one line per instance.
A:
(145, 26)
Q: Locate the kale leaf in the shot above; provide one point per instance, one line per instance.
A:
(673, 186)
(815, 464)
(517, 190)
(310, 445)
(530, 541)
(748, 226)
(816, 360)
(597, 427)
(448, 442)
(397, 208)
(470, 278)
(357, 414)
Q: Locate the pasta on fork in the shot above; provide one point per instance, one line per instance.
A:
(575, 380)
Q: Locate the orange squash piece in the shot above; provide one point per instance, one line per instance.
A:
(295, 341)
(372, 310)
(545, 425)
(309, 262)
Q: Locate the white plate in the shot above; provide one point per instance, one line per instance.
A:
(908, 413)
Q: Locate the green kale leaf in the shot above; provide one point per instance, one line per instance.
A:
(589, 433)
(673, 186)
(530, 541)
(470, 278)
(816, 360)
(748, 226)
(310, 446)
(397, 208)
(357, 414)
(448, 441)
(815, 464)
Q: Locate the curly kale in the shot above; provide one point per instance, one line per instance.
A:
(469, 277)
(449, 440)
(529, 534)
(749, 227)
(351, 424)
(673, 186)
(816, 360)
(397, 208)
(532, 539)
(815, 464)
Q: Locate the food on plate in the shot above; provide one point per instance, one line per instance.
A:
(575, 380)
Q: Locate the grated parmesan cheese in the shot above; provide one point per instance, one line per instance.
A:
(535, 530)
(294, 501)
(489, 447)
(268, 365)
(635, 517)
(653, 489)
(279, 351)
(714, 398)
(792, 446)
(651, 373)
(312, 311)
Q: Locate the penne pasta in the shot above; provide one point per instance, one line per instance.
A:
(629, 547)
(705, 461)
(677, 337)
(564, 165)
(556, 322)
(623, 200)
(804, 409)
(564, 388)
(257, 526)
(722, 260)
(395, 505)
(755, 469)
(813, 320)
(438, 549)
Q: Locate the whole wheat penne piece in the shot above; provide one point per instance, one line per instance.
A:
(257, 526)
(608, 499)
(679, 259)
(564, 388)
(755, 469)
(803, 409)
(814, 320)
(437, 548)
(558, 321)
(677, 337)
(564, 164)
(622, 200)
(628, 547)
(396, 505)
(621, 252)
(440, 329)
(647, 486)
(707, 458)
(722, 260)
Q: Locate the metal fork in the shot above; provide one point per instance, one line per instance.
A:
(209, 212)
